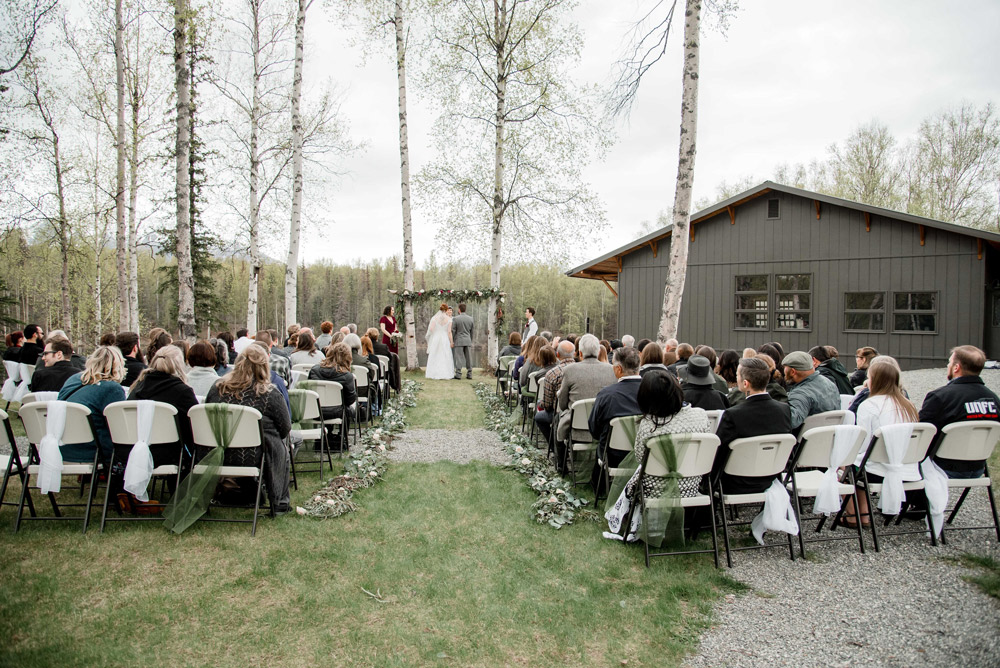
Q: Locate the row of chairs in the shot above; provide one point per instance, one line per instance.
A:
(18, 378)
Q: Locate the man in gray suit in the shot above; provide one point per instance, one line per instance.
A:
(461, 331)
(582, 380)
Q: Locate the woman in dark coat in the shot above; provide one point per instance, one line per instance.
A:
(165, 381)
(336, 366)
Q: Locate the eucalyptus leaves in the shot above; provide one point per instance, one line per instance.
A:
(366, 466)
(555, 506)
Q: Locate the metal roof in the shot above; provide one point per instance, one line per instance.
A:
(608, 266)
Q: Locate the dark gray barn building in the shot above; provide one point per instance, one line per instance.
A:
(777, 263)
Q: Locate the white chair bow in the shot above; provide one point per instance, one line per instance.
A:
(777, 514)
(25, 371)
(827, 496)
(936, 489)
(50, 457)
(13, 370)
(46, 396)
(897, 441)
(139, 468)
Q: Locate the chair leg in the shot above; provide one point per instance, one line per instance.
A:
(20, 502)
(798, 517)
(291, 461)
(94, 482)
(958, 504)
(871, 515)
(993, 508)
(107, 494)
(725, 527)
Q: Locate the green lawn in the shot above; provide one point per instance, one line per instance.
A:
(446, 404)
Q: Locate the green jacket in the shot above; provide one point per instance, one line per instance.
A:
(815, 394)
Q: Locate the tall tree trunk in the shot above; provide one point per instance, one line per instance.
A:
(63, 232)
(182, 75)
(255, 263)
(133, 196)
(673, 290)
(404, 185)
(124, 301)
(294, 229)
(500, 27)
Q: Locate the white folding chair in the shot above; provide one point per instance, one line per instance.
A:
(32, 397)
(383, 378)
(123, 425)
(621, 438)
(312, 414)
(331, 395)
(363, 386)
(305, 368)
(534, 406)
(26, 371)
(11, 464)
(845, 401)
(970, 441)
(753, 457)
(13, 370)
(297, 377)
(920, 441)
(249, 434)
(807, 472)
(694, 455)
(528, 397)
(579, 416)
(77, 431)
(713, 419)
(827, 419)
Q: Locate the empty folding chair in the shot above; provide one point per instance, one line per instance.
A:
(331, 395)
(684, 456)
(49, 424)
(503, 373)
(713, 419)
(307, 425)
(25, 371)
(9, 389)
(582, 445)
(143, 432)
(753, 457)
(970, 441)
(534, 406)
(361, 381)
(12, 464)
(383, 379)
(912, 442)
(528, 397)
(621, 439)
(823, 450)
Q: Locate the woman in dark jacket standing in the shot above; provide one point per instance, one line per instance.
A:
(13, 351)
(336, 366)
(165, 381)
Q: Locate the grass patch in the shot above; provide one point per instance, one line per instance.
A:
(445, 404)
(466, 580)
(988, 573)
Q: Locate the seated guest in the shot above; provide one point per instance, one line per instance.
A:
(628, 341)
(669, 358)
(275, 348)
(249, 384)
(326, 335)
(863, 394)
(345, 330)
(292, 330)
(602, 356)
(748, 353)
(584, 380)
(158, 338)
(964, 398)
(651, 358)
(776, 356)
(615, 400)
(184, 346)
(280, 366)
(377, 345)
(12, 353)
(221, 356)
(368, 352)
(305, 351)
(353, 342)
(78, 361)
(166, 381)
(641, 345)
(670, 346)
(98, 385)
(663, 410)
(57, 369)
(684, 351)
(726, 368)
(863, 358)
(338, 337)
(128, 344)
(243, 340)
(336, 366)
(513, 346)
(526, 364)
(548, 402)
(825, 361)
(227, 338)
(202, 376)
(774, 386)
(708, 352)
(759, 414)
(809, 392)
(293, 344)
(107, 339)
(32, 345)
(698, 386)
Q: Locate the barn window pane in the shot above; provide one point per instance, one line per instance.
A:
(752, 301)
(915, 312)
(793, 299)
(864, 301)
(864, 311)
(751, 283)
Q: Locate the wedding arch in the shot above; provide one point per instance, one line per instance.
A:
(444, 294)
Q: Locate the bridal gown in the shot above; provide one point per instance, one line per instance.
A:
(440, 360)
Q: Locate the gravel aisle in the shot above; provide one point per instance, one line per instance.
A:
(432, 445)
(904, 606)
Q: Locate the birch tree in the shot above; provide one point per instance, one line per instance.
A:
(20, 23)
(182, 90)
(295, 226)
(121, 249)
(513, 135)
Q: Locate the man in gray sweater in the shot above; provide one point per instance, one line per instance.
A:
(582, 380)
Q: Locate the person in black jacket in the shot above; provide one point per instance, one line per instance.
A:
(12, 353)
(58, 367)
(964, 398)
(31, 348)
(165, 381)
(758, 415)
(336, 366)
(826, 361)
(698, 386)
(128, 343)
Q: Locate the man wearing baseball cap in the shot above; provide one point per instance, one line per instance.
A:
(809, 392)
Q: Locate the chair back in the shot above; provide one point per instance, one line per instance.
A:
(360, 377)
(13, 370)
(26, 371)
(759, 456)
(827, 419)
(695, 454)
(6, 435)
(580, 414)
(920, 441)
(77, 422)
(124, 428)
(845, 401)
(541, 387)
(817, 444)
(310, 405)
(302, 367)
(533, 383)
(383, 363)
(32, 397)
(969, 441)
(248, 433)
(618, 439)
(713, 419)
(297, 376)
(503, 364)
(329, 392)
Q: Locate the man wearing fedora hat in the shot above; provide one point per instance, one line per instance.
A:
(697, 385)
(809, 392)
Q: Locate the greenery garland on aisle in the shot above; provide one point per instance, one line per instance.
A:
(446, 295)
(555, 506)
(365, 468)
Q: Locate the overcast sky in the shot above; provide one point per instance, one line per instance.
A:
(788, 78)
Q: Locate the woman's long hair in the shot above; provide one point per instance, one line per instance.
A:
(338, 356)
(105, 363)
(305, 343)
(168, 360)
(250, 371)
(659, 397)
(158, 338)
(530, 351)
(883, 380)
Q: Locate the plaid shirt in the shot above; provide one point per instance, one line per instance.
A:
(553, 381)
(283, 367)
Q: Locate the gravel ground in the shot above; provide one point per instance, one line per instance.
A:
(904, 606)
(432, 445)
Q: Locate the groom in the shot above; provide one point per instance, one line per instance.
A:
(461, 331)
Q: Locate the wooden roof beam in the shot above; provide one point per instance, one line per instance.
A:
(922, 231)
(816, 201)
(868, 222)
(653, 246)
(979, 249)
(732, 214)
(609, 287)
(691, 230)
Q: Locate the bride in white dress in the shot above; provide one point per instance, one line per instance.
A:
(440, 360)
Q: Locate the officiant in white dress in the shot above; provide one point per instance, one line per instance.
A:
(440, 362)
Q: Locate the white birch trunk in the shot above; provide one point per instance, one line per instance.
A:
(404, 170)
(185, 278)
(673, 290)
(120, 240)
(294, 228)
(254, 174)
(500, 27)
(133, 211)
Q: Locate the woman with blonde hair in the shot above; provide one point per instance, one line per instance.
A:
(336, 366)
(249, 384)
(98, 385)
